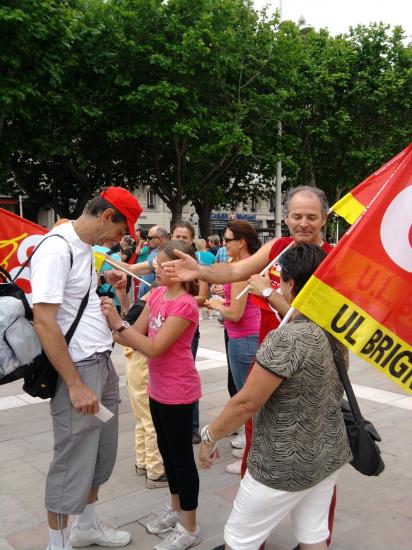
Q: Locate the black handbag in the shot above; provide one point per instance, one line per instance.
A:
(362, 434)
(42, 379)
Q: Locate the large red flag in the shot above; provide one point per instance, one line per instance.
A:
(354, 203)
(18, 237)
(362, 291)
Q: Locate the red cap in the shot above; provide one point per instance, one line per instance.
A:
(126, 204)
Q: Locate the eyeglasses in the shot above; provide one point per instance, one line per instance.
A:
(227, 240)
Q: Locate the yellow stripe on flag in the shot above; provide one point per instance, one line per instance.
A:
(100, 259)
(349, 208)
(357, 330)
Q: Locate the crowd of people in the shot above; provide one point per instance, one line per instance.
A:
(283, 383)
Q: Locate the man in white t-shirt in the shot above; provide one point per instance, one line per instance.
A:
(84, 447)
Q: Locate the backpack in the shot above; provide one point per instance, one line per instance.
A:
(21, 354)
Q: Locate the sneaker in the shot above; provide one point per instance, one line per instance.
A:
(67, 547)
(165, 522)
(140, 470)
(238, 453)
(179, 539)
(234, 468)
(196, 438)
(160, 481)
(99, 534)
(239, 442)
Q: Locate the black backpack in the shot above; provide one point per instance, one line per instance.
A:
(21, 355)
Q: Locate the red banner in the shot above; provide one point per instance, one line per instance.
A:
(361, 293)
(18, 237)
(354, 203)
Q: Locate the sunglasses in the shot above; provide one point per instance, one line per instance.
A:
(228, 240)
(153, 237)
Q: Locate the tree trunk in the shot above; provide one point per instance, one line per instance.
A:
(176, 207)
(204, 210)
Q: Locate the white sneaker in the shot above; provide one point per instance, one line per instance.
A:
(99, 534)
(238, 453)
(179, 539)
(234, 468)
(239, 442)
(165, 522)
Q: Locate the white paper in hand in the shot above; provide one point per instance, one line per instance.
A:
(103, 413)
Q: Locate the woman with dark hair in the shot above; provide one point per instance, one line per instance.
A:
(241, 318)
(299, 436)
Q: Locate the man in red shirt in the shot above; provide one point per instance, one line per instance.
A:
(306, 210)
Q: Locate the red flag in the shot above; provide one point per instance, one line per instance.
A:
(361, 293)
(18, 237)
(354, 203)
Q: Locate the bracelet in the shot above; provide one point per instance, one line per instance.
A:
(206, 437)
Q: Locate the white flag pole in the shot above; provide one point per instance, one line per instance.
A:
(264, 271)
(117, 266)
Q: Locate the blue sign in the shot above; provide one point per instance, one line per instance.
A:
(224, 216)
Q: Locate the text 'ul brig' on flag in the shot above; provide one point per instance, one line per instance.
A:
(351, 205)
(362, 291)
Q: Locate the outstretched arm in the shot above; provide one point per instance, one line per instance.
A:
(187, 269)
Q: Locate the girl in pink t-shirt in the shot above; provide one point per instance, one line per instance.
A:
(169, 320)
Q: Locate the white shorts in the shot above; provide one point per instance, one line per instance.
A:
(258, 509)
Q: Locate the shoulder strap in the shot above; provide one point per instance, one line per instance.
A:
(344, 378)
(82, 307)
(37, 247)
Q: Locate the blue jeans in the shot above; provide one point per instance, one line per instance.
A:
(242, 353)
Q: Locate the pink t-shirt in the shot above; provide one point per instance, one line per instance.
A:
(248, 324)
(173, 378)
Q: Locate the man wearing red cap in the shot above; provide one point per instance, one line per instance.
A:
(62, 274)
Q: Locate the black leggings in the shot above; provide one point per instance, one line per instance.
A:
(174, 427)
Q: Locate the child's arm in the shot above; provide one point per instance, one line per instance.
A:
(234, 311)
(134, 336)
(170, 332)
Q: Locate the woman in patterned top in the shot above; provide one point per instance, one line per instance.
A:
(299, 438)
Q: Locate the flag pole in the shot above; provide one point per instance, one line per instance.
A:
(264, 271)
(117, 266)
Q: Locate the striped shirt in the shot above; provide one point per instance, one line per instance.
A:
(299, 436)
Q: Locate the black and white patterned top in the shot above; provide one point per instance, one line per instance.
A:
(299, 436)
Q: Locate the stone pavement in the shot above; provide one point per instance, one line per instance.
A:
(372, 513)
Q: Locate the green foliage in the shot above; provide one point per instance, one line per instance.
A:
(185, 96)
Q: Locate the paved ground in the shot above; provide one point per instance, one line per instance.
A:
(371, 513)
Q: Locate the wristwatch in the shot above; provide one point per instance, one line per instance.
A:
(125, 325)
(266, 292)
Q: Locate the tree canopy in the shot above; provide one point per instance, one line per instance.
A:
(185, 96)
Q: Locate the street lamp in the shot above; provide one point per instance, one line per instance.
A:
(303, 28)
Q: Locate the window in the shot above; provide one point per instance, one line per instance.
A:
(253, 205)
(151, 199)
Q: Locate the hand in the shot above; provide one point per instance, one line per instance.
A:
(184, 269)
(207, 455)
(213, 304)
(116, 278)
(109, 309)
(217, 289)
(257, 284)
(82, 398)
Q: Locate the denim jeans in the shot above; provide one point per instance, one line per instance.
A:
(242, 353)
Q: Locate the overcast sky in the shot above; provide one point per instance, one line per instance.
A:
(338, 16)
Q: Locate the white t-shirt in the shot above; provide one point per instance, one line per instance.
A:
(54, 282)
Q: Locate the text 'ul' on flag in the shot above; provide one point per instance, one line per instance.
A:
(362, 291)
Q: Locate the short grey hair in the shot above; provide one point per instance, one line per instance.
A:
(324, 206)
(162, 232)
